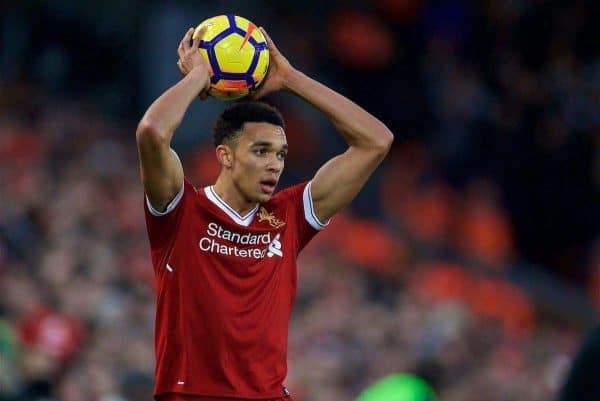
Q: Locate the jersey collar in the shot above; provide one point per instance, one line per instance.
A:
(229, 211)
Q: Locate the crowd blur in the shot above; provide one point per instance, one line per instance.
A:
(457, 263)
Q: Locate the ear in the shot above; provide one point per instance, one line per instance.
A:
(225, 155)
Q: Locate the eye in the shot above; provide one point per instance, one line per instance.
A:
(281, 155)
(260, 151)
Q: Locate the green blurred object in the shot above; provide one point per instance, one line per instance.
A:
(9, 353)
(8, 341)
(398, 387)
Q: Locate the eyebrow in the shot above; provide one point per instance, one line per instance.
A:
(267, 144)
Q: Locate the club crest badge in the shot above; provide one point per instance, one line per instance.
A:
(263, 215)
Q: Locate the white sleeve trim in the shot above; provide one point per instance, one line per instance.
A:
(172, 205)
(309, 211)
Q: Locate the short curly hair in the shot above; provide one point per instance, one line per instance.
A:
(232, 119)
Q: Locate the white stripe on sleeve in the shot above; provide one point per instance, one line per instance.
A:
(172, 205)
(309, 212)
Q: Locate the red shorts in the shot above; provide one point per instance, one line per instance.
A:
(183, 397)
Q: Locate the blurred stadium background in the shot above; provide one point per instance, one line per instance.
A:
(472, 258)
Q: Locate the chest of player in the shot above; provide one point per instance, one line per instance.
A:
(217, 239)
(240, 243)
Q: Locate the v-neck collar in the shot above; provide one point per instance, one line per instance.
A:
(229, 211)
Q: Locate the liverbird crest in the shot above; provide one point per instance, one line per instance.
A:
(263, 215)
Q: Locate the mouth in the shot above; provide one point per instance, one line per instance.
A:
(268, 185)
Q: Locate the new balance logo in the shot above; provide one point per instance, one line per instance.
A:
(275, 247)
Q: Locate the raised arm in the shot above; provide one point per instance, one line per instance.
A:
(160, 167)
(340, 179)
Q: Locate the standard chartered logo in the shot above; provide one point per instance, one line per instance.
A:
(216, 236)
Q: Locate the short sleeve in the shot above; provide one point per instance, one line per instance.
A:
(309, 210)
(162, 225)
(301, 211)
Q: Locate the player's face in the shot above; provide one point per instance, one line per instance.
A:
(259, 156)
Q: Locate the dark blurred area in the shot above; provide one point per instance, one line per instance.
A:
(471, 258)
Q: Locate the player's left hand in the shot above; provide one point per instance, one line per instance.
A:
(279, 69)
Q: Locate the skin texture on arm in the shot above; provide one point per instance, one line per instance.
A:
(160, 167)
(340, 179)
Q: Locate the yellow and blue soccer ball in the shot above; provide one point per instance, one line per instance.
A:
(237, 53)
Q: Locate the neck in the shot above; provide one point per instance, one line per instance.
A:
(230, 194)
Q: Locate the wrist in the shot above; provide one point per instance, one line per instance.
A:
(198, 74)
(293, 80)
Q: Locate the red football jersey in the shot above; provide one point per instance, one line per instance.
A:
(225, 288)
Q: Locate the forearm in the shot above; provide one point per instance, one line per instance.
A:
(357, 126)
(166, 113)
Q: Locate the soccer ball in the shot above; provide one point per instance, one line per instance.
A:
(237, 53)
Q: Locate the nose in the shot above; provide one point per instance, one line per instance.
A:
(274, 165)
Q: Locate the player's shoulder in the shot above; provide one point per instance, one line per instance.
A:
(189, 185)
(190, 190)
(290, 193)
(193, 194)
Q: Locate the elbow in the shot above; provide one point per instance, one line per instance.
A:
(383, 141)
(149, 132)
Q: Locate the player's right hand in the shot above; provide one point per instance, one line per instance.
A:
(190, 57)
